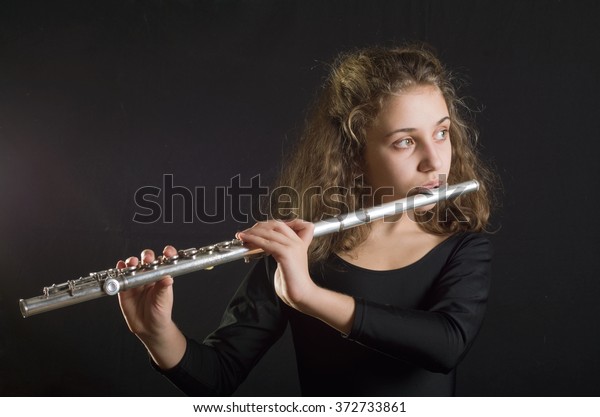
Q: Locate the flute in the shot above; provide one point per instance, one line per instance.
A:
(114, 280)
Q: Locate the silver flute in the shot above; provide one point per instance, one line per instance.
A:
(114, 280)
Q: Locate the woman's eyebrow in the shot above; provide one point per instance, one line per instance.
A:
(412, 129)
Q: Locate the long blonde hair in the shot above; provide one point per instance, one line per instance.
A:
(323, 174)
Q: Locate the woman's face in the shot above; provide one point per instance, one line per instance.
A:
(408, 144)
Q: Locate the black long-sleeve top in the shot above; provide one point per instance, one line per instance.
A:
(412, 326)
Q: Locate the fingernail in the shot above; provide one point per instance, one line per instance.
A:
(146, 254)
(132, 260)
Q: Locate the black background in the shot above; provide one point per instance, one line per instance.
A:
(98, 99)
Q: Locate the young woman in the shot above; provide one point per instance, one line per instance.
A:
(388, 308)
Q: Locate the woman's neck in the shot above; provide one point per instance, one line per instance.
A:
(403, 224)
(392, 244)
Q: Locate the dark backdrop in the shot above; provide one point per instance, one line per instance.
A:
(98, 99)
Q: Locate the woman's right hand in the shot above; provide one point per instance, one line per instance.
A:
(147, 310)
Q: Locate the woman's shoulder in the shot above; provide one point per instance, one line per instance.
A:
(469, 238)
(472, 240)
(469, 246)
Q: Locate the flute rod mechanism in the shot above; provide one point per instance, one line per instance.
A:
(115, 280)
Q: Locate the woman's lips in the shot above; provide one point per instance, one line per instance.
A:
(431, 184)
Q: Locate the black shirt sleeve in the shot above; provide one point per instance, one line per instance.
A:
(437, 336)
(252, 322)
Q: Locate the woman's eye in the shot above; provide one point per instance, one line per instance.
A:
(403, 143)
(442, 134)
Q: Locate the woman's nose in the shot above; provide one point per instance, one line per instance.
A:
(430, 158)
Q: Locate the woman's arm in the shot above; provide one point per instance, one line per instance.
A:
(147, 311)
(288, 243)
(252, 322)
(436, 337)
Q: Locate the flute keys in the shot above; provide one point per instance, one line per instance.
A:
(151, 265)
(170, 259)
(236, 242)
(50, 290)
(188, 253)
(111, 286)
(129, 270)
(207, 250)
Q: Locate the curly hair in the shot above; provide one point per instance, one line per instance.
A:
(323, 175)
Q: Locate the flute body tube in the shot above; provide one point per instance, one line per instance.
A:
(115, 280)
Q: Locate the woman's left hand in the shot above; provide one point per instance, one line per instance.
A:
(288, 243)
